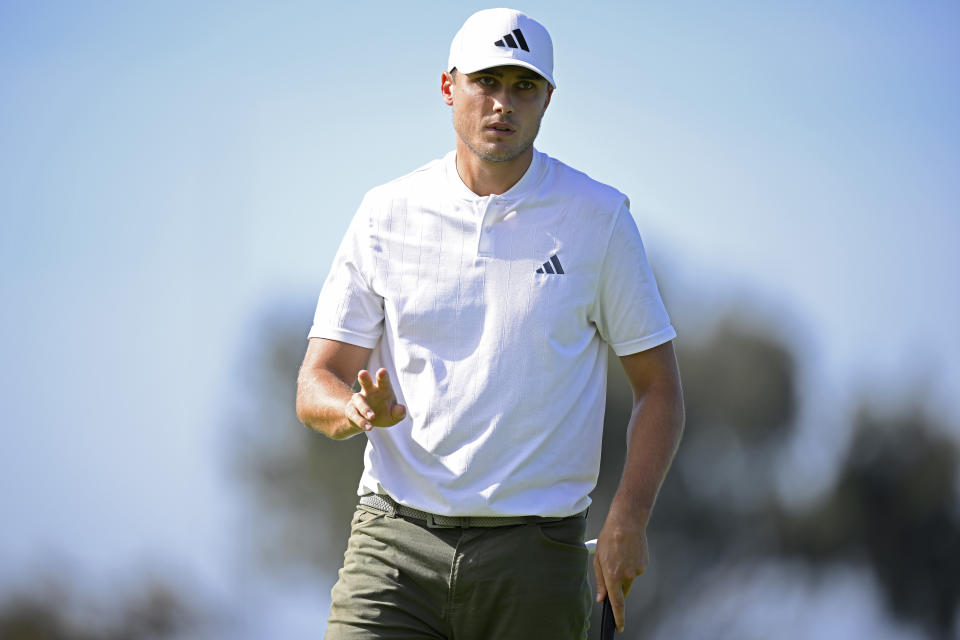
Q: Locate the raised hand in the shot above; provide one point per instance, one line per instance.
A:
(375, 405)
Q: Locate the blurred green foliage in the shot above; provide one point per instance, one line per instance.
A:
(894, 507)
(59, 610)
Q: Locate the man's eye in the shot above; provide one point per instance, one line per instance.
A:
(526, 84)
(486, 80)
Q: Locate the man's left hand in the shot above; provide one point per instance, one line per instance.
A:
(621, 556)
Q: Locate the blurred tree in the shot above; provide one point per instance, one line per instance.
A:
(52, 612)
(715, 505)
(895, 507)
(740, 397)
(304, 485)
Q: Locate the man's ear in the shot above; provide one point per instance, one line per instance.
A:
(446, 87)
(549, 95)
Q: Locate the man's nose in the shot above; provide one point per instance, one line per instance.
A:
(502, 102)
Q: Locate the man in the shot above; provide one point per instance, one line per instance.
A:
(482, 291)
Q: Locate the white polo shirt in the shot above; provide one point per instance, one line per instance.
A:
(492, 316)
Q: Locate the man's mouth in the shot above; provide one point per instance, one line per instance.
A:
(500, 126)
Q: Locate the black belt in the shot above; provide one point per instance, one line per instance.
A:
(390, 506)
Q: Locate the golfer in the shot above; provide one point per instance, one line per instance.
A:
(464, 330)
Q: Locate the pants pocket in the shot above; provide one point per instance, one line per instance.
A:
(568, 532)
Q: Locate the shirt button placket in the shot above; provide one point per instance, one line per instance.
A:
(485, 240)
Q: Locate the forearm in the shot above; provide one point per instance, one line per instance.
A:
(321, 401)
(653, 435)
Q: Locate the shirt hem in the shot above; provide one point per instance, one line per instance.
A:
(649, 342)
(342, 335)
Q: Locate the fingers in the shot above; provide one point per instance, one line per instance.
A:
(375, 405)
(383, 381)
(371, 386)
(359, 412)
(617, 605)
(598, 574)
(366, 382)
(615, 589)
(610, 589)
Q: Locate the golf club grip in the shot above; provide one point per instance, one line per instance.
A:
(607, 624)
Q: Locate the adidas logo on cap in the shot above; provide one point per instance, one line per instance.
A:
(520, 42)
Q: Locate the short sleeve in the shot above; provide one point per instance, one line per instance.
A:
(349, 310)
(628, 311)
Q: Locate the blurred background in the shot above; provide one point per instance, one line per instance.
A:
(176, 176)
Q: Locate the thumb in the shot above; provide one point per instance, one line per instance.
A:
(398, 411)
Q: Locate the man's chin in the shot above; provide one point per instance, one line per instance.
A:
(498, 154)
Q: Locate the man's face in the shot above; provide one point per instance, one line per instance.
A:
(497, 111)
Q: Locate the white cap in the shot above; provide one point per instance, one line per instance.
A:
(495, 37)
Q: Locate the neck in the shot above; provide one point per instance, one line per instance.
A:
(484, 177)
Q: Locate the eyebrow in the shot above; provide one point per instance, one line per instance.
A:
(523, 75)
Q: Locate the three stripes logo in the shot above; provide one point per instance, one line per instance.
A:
(551, 266)
(509, 41)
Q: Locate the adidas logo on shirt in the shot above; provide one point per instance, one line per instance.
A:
(551, 266)
(519, 43)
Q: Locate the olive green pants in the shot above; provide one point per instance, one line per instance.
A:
(401, 579)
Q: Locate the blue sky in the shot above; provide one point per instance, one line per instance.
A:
(167, 167)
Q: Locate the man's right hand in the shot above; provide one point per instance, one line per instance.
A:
(375, 405)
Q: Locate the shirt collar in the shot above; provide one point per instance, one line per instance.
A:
(526, 183)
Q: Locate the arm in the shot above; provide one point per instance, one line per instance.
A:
(325, 398)
(653, 434)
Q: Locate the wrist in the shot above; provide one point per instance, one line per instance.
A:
(628, 514)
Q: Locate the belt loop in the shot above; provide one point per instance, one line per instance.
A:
(381, 503)
(391, 506)
(433, 524)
